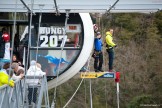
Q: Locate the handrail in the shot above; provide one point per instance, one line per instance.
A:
(17, 96)
(11, 97)
(39, 90)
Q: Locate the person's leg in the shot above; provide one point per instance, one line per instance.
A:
(111, 59)
(35, 95)
(96, 64)
(30, 95)
(100, 62)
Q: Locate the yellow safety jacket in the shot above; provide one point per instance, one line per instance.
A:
(4, 79)
(109, 40)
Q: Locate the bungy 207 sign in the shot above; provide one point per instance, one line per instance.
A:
(50, 36)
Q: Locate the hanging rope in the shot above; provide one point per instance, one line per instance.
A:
(87, 69)
(73, 94)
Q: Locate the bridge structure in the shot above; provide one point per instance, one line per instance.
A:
(58, 7)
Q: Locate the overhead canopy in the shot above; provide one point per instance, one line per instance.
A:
(80, 6)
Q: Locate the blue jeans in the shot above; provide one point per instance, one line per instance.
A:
(111, 58)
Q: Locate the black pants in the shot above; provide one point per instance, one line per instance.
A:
(32, 95)
(98, 61)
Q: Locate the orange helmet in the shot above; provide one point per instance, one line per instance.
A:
(6, 37)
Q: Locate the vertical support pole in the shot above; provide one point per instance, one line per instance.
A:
(17, 99)
(117, 87)
(24, 56)
(90, 93)
(117, 84)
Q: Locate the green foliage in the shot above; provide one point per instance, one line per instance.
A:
(138, 58)
(141, 101)
(158, 21)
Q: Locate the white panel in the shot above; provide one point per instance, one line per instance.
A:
(83, 57)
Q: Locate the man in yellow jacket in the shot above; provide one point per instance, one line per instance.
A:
(109, 47)
(5, 78)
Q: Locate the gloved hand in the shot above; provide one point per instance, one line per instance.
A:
(11, 83)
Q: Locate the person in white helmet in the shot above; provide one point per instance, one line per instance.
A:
(34, 70)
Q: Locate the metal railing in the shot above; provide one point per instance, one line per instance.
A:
(36, 90)
(11, 97)
(19, 97)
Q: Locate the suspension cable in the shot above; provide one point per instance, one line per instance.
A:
(62, 48)
(112, 6)
(38, 36)
(29, 42)
(57, 12)
(14, 26)
(29, 38)
(25, 5)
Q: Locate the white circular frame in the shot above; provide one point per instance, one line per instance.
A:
(83, 56)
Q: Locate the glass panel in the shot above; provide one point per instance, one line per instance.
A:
(54, 36)
(49, 59)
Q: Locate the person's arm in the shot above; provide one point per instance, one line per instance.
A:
(109, 41)
(41, 72)
(98, 44)
(5, 80)
(11, 83)
(14, 77)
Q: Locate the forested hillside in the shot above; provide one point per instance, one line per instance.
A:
(137, 56)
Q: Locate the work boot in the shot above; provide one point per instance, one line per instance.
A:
(112, 70)
(97, 70)
(100, 70)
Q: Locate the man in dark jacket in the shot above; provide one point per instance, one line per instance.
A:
(2, 44)
(2, 47)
